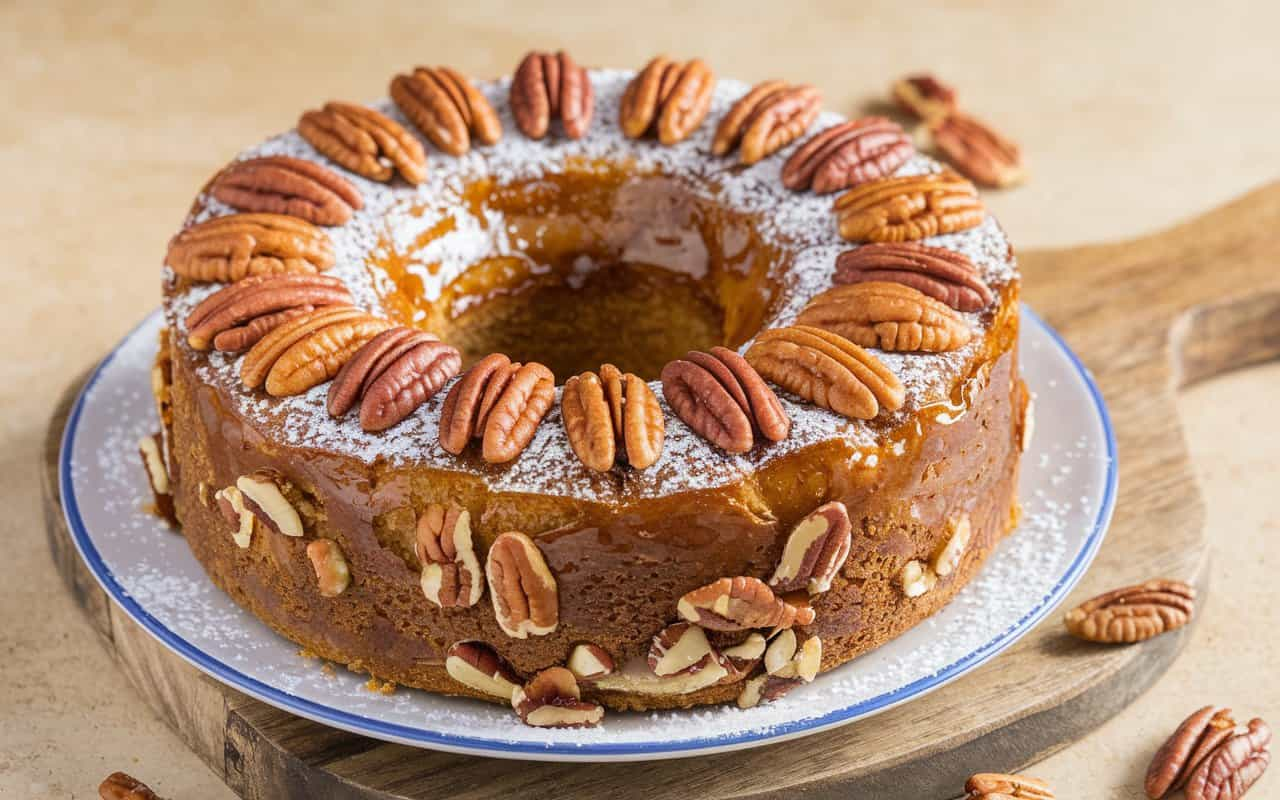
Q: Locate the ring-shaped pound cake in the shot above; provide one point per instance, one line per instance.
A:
(590, 389)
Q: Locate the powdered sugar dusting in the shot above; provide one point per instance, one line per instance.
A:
(399, 216)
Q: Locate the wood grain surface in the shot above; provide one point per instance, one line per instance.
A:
(1147, 316)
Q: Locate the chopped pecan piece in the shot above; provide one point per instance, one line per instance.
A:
(952, 553)
(231, 505)
(908, 208)
(610, 414)
(924, 96)
(995, 786)
(741, 603)
(590, 661)
(392, 375)
(766, 119)
(668, 97)
(917, 578)
(287, 185)
(827, 370)
(943, 274)
(815, 551)
(332, 574)
(477, 666)
(891, 316)
(765, 689)
(262, 493)
(723, 399)
(978, 151)
(364, 141)
(151, 451)
(447, 107)
(256, 306)
(787, 657)
(848, 154)
(451, 575)
(547, 87)
(1133, 613)
(499, 402)
(521, 586)
(226, 249)
(553, 700)
(679, 649)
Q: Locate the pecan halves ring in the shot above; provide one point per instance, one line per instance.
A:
(525, 599)
(255, 301)
(287, 185)
(447, 108)
(848, 154)
(741, 603)
(451, 574)
(908, 208)
(1234, 766)
(827, 370)
(407, 383)
(365, 142)
(548, 87)
(924, 96)
(887, 315)
(978, 151)
(936, 271)
(766, 119)
(723, 399)
(1133, 613)
(236, 246)
(667, 97)
(610, 414)
(514, 416)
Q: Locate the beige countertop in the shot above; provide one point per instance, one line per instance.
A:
(1134, 115)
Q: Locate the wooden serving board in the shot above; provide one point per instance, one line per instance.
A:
(1147, 316)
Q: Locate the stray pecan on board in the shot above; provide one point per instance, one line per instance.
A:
(741, 603)
(890, 316)
(1186, 748)
(308, 350)
(924, 96)
(287, 185)
(392, 375)
(553, 700)
(846, 155)
(122, 786)
(611, 414)
(523, 590)
(226, 249)
(827, 370)
(996, 786)
(477, 666)
(447, 107)
(815, 551)
(236, 317)
(667, 97)
(451, 575)
(766, 119)
(1133, 613)
(364, 141)
(499, 402)
(723, 399)
(332, 573)
(942, 274)
(548, 87)
(908, 208)
(978, 151)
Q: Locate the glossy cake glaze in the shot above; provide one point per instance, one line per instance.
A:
(574, 252)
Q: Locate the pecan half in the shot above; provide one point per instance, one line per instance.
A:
(451, 575)
(369, 362)
(308, 350)
(477, 666)
(514, 416)
(262, 493)
(1184, 750)
(924, 96)
(943, 274)
(1234, 766)
(521, 586)
(151, 451)
(408, 381)
(589, 662)
(996, 786)
(978, 151)
(461, 419)
(908, 208)
(553, 700)
(741, 603)
(547, 87)
(250, 307)
(848, 154)
(891, 316)
(815, 551)
(287, 185)
(1133, 613)
(364, 141)
(122, 786)
(827, 370)
(667, 97)
(723, 399)
(612, 413)
(766, 119)
(445, 106)
(680, 649)
(332, 574)
(229, 248)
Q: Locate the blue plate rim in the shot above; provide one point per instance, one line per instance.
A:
(449, 742)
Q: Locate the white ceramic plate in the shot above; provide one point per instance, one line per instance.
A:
(1067, 489)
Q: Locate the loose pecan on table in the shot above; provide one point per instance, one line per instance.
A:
(975, 149)
(611, 414)
(815, 550)
(924, 96)
(942, 274)
(499, 402)
(847, 154)
(1133, 613)
(553, 700)
(723, 399)
(1190, 743)
(477, 666)
(447, 107)
(766, 119)
(226, 249)
(551, 86)
(122, 786)
(308, 350)
(287, 185)
(890, 316)
(392, 375)
(451, 574)
(1234, 766)
(741, 603)
(908, 208)
(523, 590)
(996, 786)
(827, 370)
(667, 97)
(237, 316)
(365, 142)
